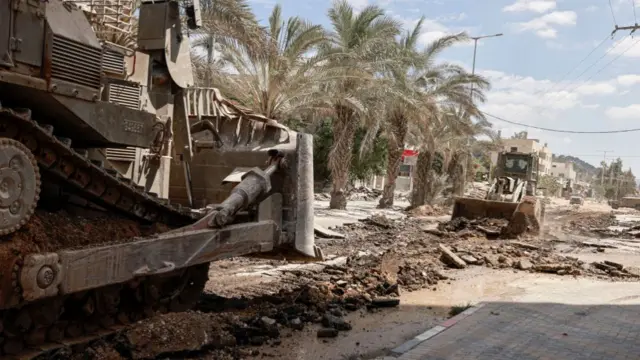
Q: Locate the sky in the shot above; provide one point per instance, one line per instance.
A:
(556, 66)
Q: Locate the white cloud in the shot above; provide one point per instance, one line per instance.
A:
(601, 88)
(532, 101)
(624, 113)
(433, 29)
(628, 80)
(626, 47)
(591, 8)
(358, 4)
(544, 26)
(453, 17)
(539, 6)
(566, 140)
(547, 33)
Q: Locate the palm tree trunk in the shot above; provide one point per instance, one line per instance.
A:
(423, 172)
(394, 159)
(344, 130)
(457, 174)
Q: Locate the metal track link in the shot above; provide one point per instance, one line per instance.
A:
(86, 178)
(53, 328)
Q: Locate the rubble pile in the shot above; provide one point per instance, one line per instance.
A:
(364, 193)
(589, 224)
(427, 210)
(533, 258)
(359, 193)
(322, 196)
(465, 228)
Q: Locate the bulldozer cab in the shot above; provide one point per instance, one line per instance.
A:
(518, 165)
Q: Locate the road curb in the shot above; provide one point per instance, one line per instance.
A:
(434, 331)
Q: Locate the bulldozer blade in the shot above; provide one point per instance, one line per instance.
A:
(525, 216)
(528, 217)
(472, 208)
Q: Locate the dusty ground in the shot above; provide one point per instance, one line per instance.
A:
(386, 282)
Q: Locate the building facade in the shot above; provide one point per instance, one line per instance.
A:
(528, 146)
(563, 170)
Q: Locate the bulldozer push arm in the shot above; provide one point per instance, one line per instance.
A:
(210, 238)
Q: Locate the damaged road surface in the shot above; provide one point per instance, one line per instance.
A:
(386, 281)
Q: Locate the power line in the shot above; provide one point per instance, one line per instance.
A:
(569, 91)
(612, 14)
(559, 130)
(592, 65)
(577, 65)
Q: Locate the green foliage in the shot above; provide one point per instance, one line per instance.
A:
(372, 163)
(617, 182)
(550, 185)
(322, 141)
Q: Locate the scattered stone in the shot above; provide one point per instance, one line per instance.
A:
(385, 302)
(327, 333)
(525, 245)
(551, 268)
(524, 264)
(331, 321)
(614, 264)
(489, 231)
(469, 259)
(451, 259)
(326, 233)
(378, 220)
(296, 324)
(267, 321)
(603, 266)
(491, 260)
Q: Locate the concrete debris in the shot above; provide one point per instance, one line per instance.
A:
(323, 232)
(451, 259)
(524, 264)
(379, 220)
(462, 227)
(384, 302)
(427, 210)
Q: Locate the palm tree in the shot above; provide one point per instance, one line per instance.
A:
(269, 77)
(424, 88)
(421, 80)
(444, 130)
(224, 23)
(359, 48)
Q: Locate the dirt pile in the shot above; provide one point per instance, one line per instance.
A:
(364, 193)
(358, 193)
(51, 231)
(529, 257)
(427, 210)
(465, 228)
(588, 223)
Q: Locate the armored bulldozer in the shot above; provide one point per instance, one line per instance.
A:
(120, 180)
(512, 196)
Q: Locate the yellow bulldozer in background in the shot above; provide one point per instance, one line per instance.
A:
(512, 196)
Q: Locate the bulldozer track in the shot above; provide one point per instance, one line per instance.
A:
(86, 178)
(57, 327)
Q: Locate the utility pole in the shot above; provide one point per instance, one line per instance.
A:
(473, 72)
(604, 163)
(475, 50)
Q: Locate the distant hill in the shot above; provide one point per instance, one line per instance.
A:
(581, 166)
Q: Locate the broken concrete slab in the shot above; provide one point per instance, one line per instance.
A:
(326, 233)
(451, 259)
(525, 245)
